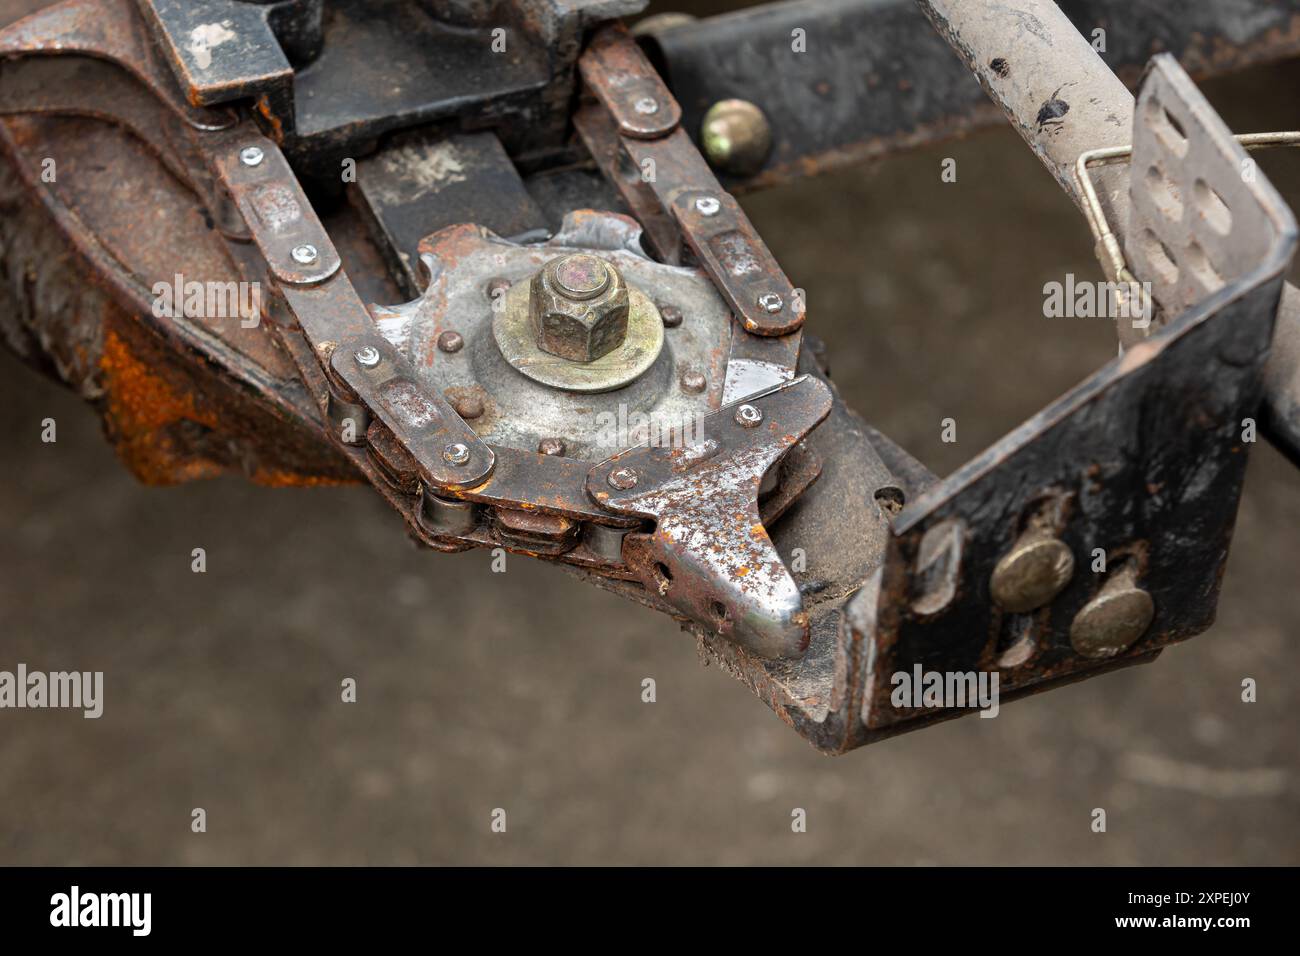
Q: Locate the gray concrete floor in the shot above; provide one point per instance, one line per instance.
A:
(522, 690)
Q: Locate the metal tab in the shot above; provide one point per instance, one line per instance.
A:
(222, 51)
(709, 555)
(617, 72)
(278, 212)
(447, 451)
(710, 220)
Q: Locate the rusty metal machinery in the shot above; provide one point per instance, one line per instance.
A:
(503, 280)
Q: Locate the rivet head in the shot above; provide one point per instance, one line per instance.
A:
(367, 357)
(469, 406)
(749, 416)
(456, 453)
(693, 381)
(1113, 620)
(251, 156)
(707, 206)
(551, 446)
(646, 106)
(450, 342)
(497, 287)
(770, 302)
(735, 137)
(305, 254)
(622, 479)
(1032, 573)
(671, 315)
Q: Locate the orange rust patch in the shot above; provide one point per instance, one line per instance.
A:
(277, 128)
(285, 478)
(141, 407)
(151, 418)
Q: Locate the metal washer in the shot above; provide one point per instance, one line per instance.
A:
(513, 331)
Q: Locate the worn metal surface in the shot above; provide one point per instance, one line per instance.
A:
(82, 86)
(111, 30)
(517, 337)
(428, 441)
(1062, 125)
(1145, 459)
(101, 105)
(416, 185)
(367, 376)
(711, 222)
(634, 95)
(1053, 87)
(710, 555)
(1192, 219)
(182, 398)
(600, 135)
(225, 50)
(578, 308)
(666, 177)
(1028, 576)
(874, 79)
(515, 74)
(520, 412)
(334, 319)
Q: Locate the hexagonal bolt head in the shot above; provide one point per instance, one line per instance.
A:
(578, 305)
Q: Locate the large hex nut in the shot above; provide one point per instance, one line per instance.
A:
(578, 305)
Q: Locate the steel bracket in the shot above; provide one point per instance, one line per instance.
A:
(710, 555)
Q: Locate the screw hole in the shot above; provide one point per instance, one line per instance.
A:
(1172, 120)
(1201, 266)
(1213, 208)
(720, 612)
(1162, 260)
(1165, 194)
(1169, 131)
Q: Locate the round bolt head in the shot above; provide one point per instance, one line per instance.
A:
(622, 479)
(305, 254)
(551, 446)
(367, 357)
(578, 305)
(1112, 621)
(581, 277)
(469, 407)
(770, 302)
(671, 315)
(693, 381)
(736, 137)
(456, 454)
(451, 342)
(1032, 573)
(707, 206)
(749, 416)
(497, 287)
(251, 155)
(646, 106)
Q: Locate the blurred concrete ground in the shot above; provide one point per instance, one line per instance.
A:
(522, 690)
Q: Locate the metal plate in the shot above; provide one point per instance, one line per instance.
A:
(710, 555)
(463, 262)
